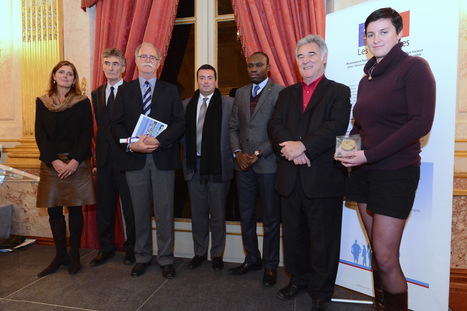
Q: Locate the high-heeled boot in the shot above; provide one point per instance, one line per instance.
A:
(75, 222)
(58, 227)
(395, 302)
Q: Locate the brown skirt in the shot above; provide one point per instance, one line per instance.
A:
(75, 190)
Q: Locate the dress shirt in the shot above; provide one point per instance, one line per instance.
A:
(107, 90)
(261, 86)
(151, 81)
(308, 90)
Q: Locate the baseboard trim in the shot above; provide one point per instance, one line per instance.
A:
(458, 289)
(458, 278)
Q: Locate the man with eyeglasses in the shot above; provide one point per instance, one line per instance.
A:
(151, 162)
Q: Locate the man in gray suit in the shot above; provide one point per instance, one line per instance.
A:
(207, 165)
(256, 167)
(150, 162)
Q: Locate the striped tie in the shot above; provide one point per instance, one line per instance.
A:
(147, 99)
(255, 91)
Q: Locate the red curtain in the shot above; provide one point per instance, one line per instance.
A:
(125, 24)
(274, 27)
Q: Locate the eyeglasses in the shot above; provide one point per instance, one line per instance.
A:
(151, 57)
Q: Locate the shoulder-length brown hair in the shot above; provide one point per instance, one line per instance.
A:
(53, 85)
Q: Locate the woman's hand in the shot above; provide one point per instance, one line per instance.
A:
(65, 170)
(351, 159)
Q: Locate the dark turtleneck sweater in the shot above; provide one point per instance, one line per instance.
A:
(394, 109)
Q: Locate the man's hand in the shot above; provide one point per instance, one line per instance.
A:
(292, 149)
(145, 144)
(302, 160)
(244, 160)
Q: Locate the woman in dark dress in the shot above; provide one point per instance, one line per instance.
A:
(63, 134)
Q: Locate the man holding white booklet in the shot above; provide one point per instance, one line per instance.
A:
(150, 162)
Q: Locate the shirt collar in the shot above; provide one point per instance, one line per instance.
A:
(312, 84)
(261, 85)
(116, 85)
(151, 81)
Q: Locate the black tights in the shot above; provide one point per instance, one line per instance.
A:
(56, 213)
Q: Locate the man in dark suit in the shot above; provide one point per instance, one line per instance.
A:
(207, 165)
(111, 180)
(256, 168)
(150, 162)
(303, 129)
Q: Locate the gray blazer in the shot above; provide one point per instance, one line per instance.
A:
(226, 153)
(248, 132)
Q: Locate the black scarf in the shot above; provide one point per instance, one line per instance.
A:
(211, 167)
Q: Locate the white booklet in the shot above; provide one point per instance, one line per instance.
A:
(146, 126)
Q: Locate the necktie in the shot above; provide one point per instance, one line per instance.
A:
(147, 99)
(255, 91)
(199, 127)
(111, 101)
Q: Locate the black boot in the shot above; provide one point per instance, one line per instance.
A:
(75, 222)
(379, 302)
(58, 227)
(395, 302)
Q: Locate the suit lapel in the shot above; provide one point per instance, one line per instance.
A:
(297, 95)
(101, 99)
(264, 96)
(138, 96)
(157, 90)
(246, 103)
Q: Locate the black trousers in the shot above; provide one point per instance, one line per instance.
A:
(111, 182)
(312, 234)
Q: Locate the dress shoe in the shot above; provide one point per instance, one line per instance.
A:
(101, 258)
(318, 305)
(196, 261)
(290, 291)
(245, 267)
(129, 258)
(269, 277)
(217, 263)
(139, 268)
(168, 271)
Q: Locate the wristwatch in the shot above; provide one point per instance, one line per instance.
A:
(258, 153)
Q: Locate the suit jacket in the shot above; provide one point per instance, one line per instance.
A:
(326, 116)
(226, 153)
(77, 130)
(248, 132)
(104, 138)
(166, 106)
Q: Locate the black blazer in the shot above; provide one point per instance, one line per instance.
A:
(104, 138)
(78, 132)
(166, 106)
(326, 116)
